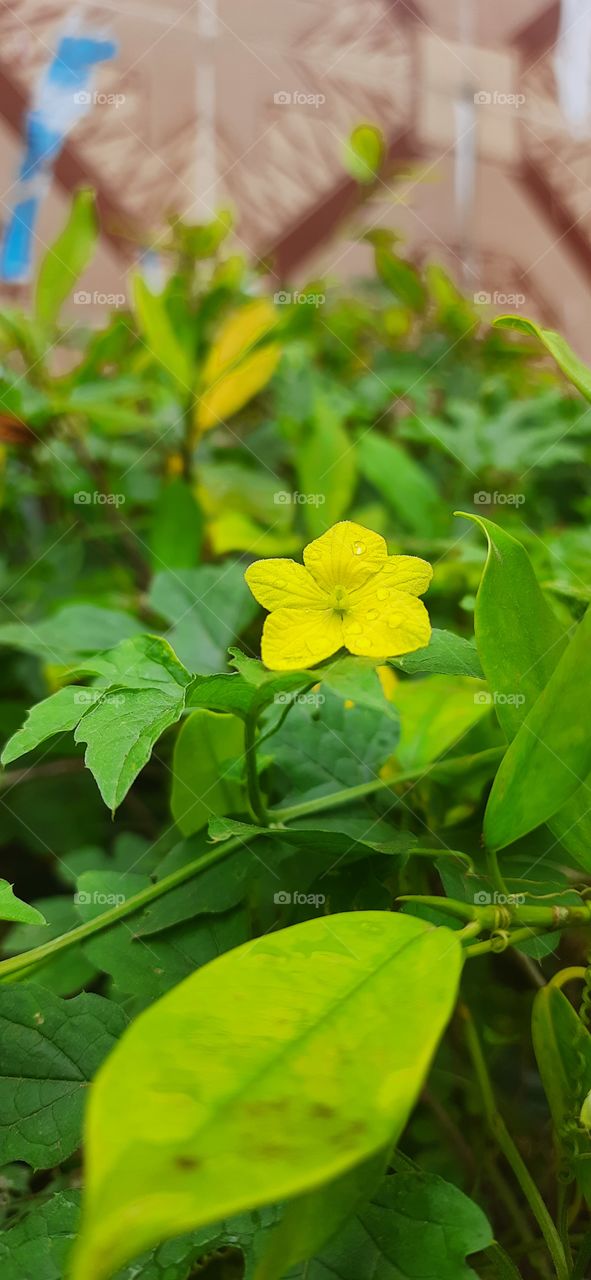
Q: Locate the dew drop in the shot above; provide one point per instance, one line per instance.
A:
(358, 548)
(382, 594)
(372, 614)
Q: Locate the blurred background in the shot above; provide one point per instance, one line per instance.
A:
(484, 109)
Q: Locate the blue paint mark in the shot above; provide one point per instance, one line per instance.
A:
(62, 97)
(16, 248)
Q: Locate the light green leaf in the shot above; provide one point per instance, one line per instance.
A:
(226, 1068)
(326, 467)
(435, 714)
(177, 528)
(550, 756)
(405, 485)
(120, 731)
(59, 713)
(357, 679)
(51, 1050)
(144, 662)
(67, 258)
(11, 908)
(445, 655)
(573, 368)
(158, 333)
(207, 608)
(416, 1226)
(207, 747)
(72, 632)
(401, 278)
(364, 153)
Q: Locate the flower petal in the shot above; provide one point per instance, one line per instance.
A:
(345, 556)
(401, 573)
(278, 584)
(297, 638)
(385, 629)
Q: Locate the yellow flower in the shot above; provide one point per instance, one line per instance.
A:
(350, 592)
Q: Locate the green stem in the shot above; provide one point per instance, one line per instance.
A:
(255, 800)
(500, 1132)
(339, 798)
(494, 872)
(11, 969)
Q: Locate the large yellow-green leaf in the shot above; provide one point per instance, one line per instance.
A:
(271, 1071)
(236, 388)
(550, 757)
(237, 336)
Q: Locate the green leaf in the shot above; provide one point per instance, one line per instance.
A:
(67, 258)
(144, 662)
(563, 1053)
(330, 834)
(326, 467)
(51, 1049)
(72, 632)
(518, 637)
(364, 153)
(177, 528)
(158, 333)
(445, 655)
(551, 752)
(404, 484)
(312, 1219)
(59, 713)
(207, 608)
(120, 731)
(520, 641)
(68, 971)
(357, 679)
(416, 1226)
(39, 1245)
(11, 908)
(401, 278)
(148, 966)
(434, 714)
(226, 1068)
(326, 745)
(207, 747)
(573, 368)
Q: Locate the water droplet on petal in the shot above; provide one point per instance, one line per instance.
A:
(355, 628)
(372, 614)
(358, 548)
(383, 593)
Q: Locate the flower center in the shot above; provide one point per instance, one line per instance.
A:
(339, 601)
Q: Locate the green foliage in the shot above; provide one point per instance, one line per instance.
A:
(276, 877)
